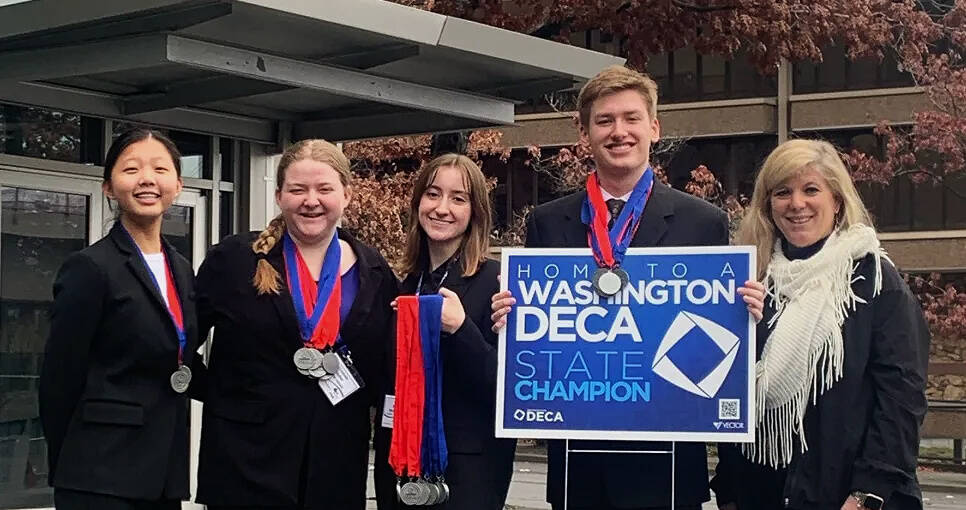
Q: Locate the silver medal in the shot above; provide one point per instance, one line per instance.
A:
(180, 379)
(318, 372)
(331, 362)
(445, 489)
(307, 358)
(608, 282)
(409, 493)
(423, 492)
(434, 493)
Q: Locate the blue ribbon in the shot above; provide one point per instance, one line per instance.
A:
(330, 271)
(433, 456)
(626, 223)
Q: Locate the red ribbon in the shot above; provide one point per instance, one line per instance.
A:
(326, 332)
(407, 421)
(174, 308)
(598, 226)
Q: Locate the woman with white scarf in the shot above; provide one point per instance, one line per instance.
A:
(842, 350)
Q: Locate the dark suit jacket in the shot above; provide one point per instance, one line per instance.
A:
(671, 218)
(480, 465)
(112, 422)
(269, 435)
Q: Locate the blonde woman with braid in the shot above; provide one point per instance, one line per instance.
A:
(302, 326)
(842, 350)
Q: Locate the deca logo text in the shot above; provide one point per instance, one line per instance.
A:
(718, 425)
(538, 415)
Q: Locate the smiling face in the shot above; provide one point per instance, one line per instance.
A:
(143, 181)
(312, 199)
(620, 132)
(804, 208)
(444, 208)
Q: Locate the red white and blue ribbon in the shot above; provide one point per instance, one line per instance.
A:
(318, 323)
(609, 246)
(418, 442)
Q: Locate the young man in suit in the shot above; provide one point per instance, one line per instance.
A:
(617, 119)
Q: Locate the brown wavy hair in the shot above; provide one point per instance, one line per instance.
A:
(476, 239)
(266, 279)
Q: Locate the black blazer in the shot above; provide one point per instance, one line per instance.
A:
(863, 433)
(671, 218)
(112, 422)
(480, 465)
(267, 430)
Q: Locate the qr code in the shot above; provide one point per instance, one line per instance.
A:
(729, 409)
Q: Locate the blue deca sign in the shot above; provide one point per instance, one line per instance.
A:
(670, 357)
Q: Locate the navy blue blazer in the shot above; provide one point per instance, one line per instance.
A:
(671, 218)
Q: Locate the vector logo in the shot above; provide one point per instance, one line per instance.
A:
(725, 340)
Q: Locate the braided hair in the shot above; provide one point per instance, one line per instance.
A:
(266, 279)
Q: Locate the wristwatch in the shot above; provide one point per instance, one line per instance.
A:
(868, 500)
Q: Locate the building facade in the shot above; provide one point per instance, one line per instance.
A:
(232, 82)
(728, 117)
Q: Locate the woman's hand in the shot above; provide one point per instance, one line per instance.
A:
(753, 294)
(851, 504)
(501, 303)
(453, 313)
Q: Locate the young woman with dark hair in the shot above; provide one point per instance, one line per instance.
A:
(116, 371)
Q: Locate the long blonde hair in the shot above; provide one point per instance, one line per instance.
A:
(786, 161)
(266, 279)
(476, 240)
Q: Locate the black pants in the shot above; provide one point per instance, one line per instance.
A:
(608, 507)
(224, 507)
(67, 499)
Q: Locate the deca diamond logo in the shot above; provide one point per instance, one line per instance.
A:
(725, 340)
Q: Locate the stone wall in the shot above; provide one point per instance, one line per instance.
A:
(943, 386)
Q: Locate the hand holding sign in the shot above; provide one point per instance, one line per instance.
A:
(502, 302)
(753, 294)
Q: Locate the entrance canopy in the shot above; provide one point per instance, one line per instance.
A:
(275, 70)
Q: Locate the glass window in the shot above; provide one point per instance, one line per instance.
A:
(46, 134)
(226, 149)
(836, 72)
(903, 205)
(734, 161)
(714, 77)
(226, 217)
(956, 201)
(195, 149)
(176, 228)
(657, 69)
(684, 83)
(39, 229)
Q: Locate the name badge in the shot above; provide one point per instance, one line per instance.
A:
(343, 383)
(388, 405)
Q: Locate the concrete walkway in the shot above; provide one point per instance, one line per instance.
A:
(941, 490)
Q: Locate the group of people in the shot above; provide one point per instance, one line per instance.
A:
(303, 347)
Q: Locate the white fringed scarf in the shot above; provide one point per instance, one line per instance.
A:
(803, 356)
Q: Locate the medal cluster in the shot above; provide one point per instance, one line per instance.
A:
(315, 363)
(422, 492)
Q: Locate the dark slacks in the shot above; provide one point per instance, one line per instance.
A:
(67, 499)
(608, 507)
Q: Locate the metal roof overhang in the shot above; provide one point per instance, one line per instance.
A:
(274, 70)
